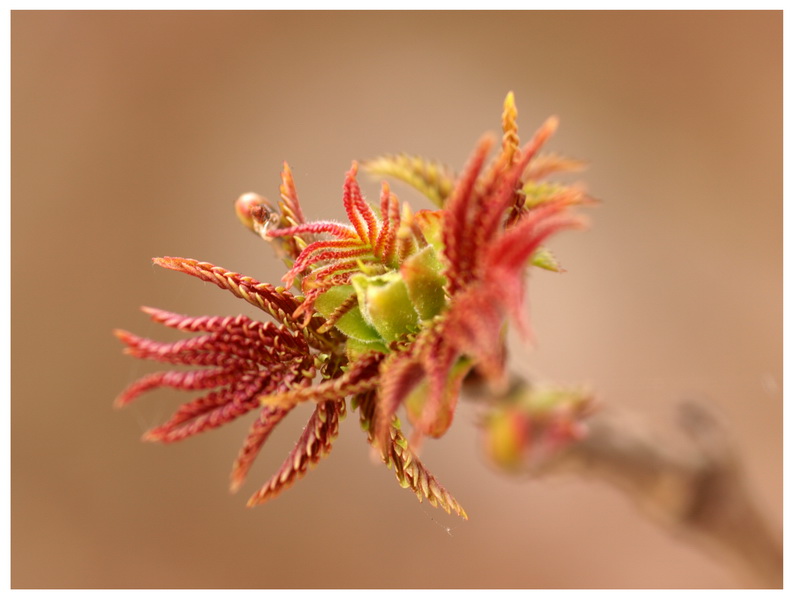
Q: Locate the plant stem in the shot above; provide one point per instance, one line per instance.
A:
(696, 488)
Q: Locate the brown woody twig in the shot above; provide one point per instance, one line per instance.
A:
(696, 489)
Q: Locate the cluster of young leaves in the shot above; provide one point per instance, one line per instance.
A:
(395, 308)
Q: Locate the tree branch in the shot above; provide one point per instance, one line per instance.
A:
(695, 488)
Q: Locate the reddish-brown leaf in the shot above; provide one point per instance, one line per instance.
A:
(314, 443)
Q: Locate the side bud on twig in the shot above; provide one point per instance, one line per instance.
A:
(527, 425)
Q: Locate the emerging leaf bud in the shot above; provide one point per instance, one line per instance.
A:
(531, 424)
(256, 213)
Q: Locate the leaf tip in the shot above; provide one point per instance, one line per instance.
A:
(153, 435)
(551, 125)
(167, 262)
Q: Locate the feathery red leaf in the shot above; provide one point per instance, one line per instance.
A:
(314, 443)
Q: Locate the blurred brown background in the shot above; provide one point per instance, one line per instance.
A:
(133, 132)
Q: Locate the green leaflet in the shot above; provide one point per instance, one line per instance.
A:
(423, 276)
(390, 304)
(385, 304)
(352, 324)
(430, 223)
(538, 193)
(356, 348)
(545, 259)
(429, 177)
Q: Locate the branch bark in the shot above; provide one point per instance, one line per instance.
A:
(696, 489)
